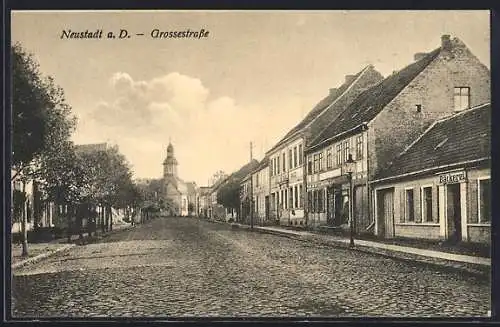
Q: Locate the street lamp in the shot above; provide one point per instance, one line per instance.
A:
(349, 169)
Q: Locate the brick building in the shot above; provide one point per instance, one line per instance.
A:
(439, 187)
(381, 122)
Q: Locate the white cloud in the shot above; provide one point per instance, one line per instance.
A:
(208, 134)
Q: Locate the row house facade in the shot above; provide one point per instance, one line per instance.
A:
(381, 122)
(439, 187)
(31, 206)
(246, 199)
(203, 201)
(287, 169)
(260, 193)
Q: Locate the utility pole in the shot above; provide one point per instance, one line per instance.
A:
(251, 189)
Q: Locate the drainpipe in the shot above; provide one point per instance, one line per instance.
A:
(304, 178)
(368, 186)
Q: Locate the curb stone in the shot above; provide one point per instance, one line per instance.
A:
(41, 256)
(407, 257)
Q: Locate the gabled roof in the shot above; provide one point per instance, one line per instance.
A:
(245, 170)
(323, 105)
(462, 137)
(371, 102)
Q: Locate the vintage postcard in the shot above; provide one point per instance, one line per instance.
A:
(227, 164)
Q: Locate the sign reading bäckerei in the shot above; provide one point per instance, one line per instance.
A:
(453, 177)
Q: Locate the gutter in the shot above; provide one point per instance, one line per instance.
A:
(428, 170)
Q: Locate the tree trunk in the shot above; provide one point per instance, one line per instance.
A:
(69, 231)
(106, 217)
(110, 219)
(101, 214)
(24, 225)
(77, 212)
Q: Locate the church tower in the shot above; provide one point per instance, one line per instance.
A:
(170, 163)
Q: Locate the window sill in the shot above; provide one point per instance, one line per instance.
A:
(479, 224)
(418, 224)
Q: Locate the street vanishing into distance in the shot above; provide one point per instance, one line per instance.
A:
(187, 267)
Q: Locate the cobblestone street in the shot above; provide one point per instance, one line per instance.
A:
(189, 267)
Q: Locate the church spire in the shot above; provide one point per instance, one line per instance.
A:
(170, 163)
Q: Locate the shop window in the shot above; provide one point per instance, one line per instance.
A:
(310, 201)
(320, 200)
(484, 201)
(426, 198)
(409, 206)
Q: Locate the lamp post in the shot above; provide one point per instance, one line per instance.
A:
(349, 169)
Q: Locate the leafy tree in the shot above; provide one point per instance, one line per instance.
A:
(229, 194)
(41, 121)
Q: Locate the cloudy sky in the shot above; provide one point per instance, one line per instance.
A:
(252, 79)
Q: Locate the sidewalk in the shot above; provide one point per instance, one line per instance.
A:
(39, 251)
(473, 264)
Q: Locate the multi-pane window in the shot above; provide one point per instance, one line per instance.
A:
(409, 206)
(320, 200)
(329, 158)
(300, 196)
(484, 206)
(461, 96)
(426, 204)
(316, 163)
(359, 147)
(296, 197)
(295, 157)
(345, 149)
(339, 155)
(309, 166)
(278, 164)
(320, 159)
(290, 159)
(300, 154)
(309, 201)
(284, 161)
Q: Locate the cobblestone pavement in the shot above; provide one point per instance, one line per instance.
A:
(188, 267)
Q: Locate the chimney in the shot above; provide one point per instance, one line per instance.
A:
(445, 42)
(419, 55)
(349, 78)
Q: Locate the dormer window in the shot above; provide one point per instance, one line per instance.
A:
(461, 96)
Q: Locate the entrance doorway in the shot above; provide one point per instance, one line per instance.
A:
(453, 212)
(385, 213)
(334, 206)
(267, 207)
